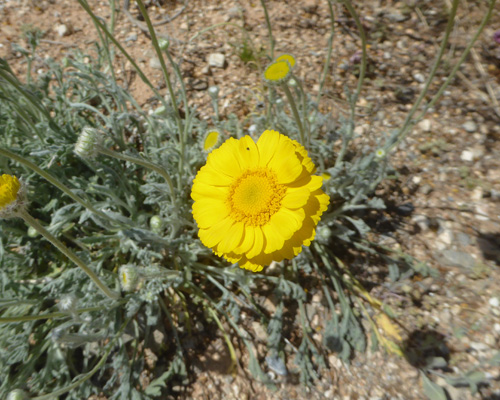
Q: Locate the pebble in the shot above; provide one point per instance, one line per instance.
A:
(425, 125)
(494, 302)
(63, 30)
(131, 38)
(456, 259)
(467, 155)
(420, 78)
(463, 239)
(470, 126)
(426, 189)
(216, 60)
(154, 62)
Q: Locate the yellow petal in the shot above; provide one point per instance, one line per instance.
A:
(267, 144)
(225, 156)
(296, 198)
(258, 245)
(231, 239)
(248, 240)
(274, 239)
(248, 154)
(203, 190)
(208, 212)
(212, 236)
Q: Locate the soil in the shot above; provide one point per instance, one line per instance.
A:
(444, 203)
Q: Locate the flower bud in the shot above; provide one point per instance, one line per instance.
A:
(380, 154)
(87, 144)
(213, 92)
(323, 234)
(156, 223)
(68, 302)
(129, 277)
(17, 394)
(164, 44)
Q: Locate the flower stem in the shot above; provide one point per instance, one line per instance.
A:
(68, 253)
(88, 375)
(144, 163)
(53, 180)
(24, 318)
(294, 111)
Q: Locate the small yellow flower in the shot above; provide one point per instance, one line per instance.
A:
(277, 72)
(10, 195)
(287, 57)
(212, 139)
(256, 203)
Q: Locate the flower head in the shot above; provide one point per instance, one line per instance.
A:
(255, 203)
(212, 139)
(86, 145)
(11, 196)
(277, 72)
(287, 57)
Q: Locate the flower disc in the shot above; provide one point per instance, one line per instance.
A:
(255, 203)
(9, 187)
(277, 71)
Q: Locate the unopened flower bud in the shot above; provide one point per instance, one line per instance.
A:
(164, 44)
(129, 277)
(68, 302)
(323, 234)
(17, 394)
(380, 154)
(87, 144)
(213, 92)
(156, 223)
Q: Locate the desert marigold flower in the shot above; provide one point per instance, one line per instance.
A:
(11, 196)
(277, 72)
(212, 139)
(255, 203)
(287, 57)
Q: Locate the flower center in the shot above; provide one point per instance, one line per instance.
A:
(255, 196)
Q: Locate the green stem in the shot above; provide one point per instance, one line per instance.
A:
(88, 375)
(144, 163)
(328, 53)
(53, 180)
(159, 53)
(294, 111)
(68, 253)
(139, 71)
(408, 121)
(450, 77)
(25, 318)
(268, 23)
(354, 99)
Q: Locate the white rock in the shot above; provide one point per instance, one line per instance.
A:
(467, 155)
(63, 30)
(217, 60)
(420, 78)
(494, 302)
(470, 126)
(425, 125)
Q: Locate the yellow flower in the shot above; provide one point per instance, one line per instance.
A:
(9, 191)
(287, 57)
(211, 140)
(255, 203)
(278, 71)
